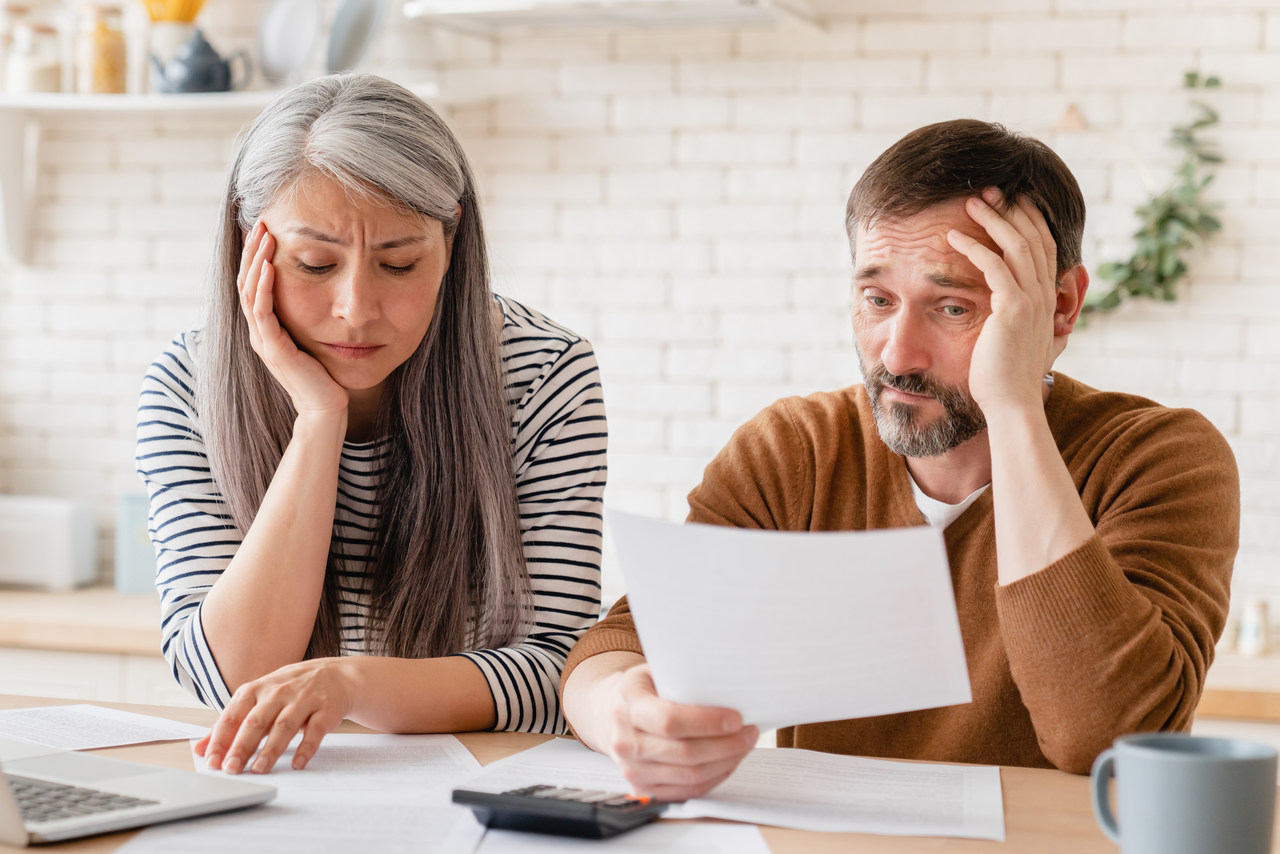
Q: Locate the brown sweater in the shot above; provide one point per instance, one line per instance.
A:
(1115, 637)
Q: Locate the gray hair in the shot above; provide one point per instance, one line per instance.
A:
(448, 565)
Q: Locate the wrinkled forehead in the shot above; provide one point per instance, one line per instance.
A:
(919, 241)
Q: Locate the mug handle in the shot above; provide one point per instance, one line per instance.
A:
(1104, 768)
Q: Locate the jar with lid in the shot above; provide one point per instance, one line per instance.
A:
(34, 63)
(10, 14)
(100, 50)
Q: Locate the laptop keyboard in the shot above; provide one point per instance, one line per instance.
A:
(39, 800)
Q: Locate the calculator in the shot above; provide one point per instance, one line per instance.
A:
(560, 810)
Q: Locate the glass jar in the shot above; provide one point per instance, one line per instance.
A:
(10, 15)
(34, 63)
(100, 50)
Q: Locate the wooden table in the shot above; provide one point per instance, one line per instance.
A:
(1045, 811)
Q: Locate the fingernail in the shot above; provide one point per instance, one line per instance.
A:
(214, 760)
(260, 767)
(233, 765)
(299, 761)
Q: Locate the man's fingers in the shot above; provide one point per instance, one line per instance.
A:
(652, 714)
(679, 782)
(645, 747)
(1017, 249)
(998, 275)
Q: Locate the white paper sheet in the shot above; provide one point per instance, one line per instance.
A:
(84, 727)
(663, 838)
(821, 791)
(794, 627)
(796, 788)
(384, 793)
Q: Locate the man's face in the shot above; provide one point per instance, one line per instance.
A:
(918, 306)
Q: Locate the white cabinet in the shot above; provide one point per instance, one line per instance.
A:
(90, 676)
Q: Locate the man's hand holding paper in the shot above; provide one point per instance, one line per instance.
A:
(813, 627)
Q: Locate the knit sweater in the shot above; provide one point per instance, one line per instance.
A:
(1114, 637)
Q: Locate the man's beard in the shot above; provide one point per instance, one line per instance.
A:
(901, 425)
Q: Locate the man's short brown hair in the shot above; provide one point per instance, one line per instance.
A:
(962, 157)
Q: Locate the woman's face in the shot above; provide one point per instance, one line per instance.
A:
(356, 280)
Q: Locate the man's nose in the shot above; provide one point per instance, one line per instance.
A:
(356, 299)
(905, 348)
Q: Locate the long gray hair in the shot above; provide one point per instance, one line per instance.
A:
(448, 567)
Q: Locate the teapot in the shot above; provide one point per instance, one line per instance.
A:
(197, 67)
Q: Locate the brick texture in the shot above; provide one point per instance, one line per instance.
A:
(677, 195)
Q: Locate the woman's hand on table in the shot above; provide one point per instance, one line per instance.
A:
(301, 375)
(311, 697)
(669, 750)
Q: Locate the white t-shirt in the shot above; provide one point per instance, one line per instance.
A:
(939, 513)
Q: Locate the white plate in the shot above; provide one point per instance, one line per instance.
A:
(356, 25)
(287, 37)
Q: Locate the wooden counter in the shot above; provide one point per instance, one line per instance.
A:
(92, 619)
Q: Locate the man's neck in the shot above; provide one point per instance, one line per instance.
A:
(955, 475)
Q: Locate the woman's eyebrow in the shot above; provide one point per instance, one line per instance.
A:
(314, 234)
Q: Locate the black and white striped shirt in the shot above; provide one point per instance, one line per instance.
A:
(558, 439)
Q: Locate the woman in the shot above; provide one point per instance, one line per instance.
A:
(375, 486)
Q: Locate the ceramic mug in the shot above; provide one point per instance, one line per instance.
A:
(1183, 794)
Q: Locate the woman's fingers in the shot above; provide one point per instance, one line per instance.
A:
(283, 729)
(220, 738)
(316, 728)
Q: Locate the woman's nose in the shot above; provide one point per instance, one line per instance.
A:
(356, 300)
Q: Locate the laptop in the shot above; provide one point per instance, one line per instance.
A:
(55, 794)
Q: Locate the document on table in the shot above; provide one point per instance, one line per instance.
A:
(794, 627)
(84, 727)
(673, 838)
(384, 793)
(795, 788)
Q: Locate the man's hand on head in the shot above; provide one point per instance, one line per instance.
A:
(1017, 345)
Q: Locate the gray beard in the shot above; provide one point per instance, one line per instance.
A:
(903, 428)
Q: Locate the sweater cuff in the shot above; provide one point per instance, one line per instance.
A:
(1080, 594)
(600, 640)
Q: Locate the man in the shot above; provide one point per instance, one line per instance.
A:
(1090, 534)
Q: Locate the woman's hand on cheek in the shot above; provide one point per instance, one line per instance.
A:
(308, 384)
(311, 697)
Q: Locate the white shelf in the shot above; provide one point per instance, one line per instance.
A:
(20, 137)
(54, 102)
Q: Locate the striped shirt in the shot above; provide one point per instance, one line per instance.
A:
(558, 438)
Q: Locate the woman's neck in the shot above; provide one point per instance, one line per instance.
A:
(362, 413)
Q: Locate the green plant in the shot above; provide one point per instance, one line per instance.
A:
(1170, 222)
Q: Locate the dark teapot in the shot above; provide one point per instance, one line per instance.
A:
(197, 67)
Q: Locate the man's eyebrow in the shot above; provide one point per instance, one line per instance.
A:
(942, 280)
(866, 274)
(314, 234)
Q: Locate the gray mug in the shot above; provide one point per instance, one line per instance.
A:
(1183, 794)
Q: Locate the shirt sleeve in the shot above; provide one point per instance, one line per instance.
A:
(189, 523)
(1116, 636)
(560, 445)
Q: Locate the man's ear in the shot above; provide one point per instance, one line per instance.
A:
(1072, 286)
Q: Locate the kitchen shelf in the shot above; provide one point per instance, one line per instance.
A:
(20, 117)
(54, 102)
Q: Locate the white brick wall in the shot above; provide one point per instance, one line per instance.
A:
(678, 196)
